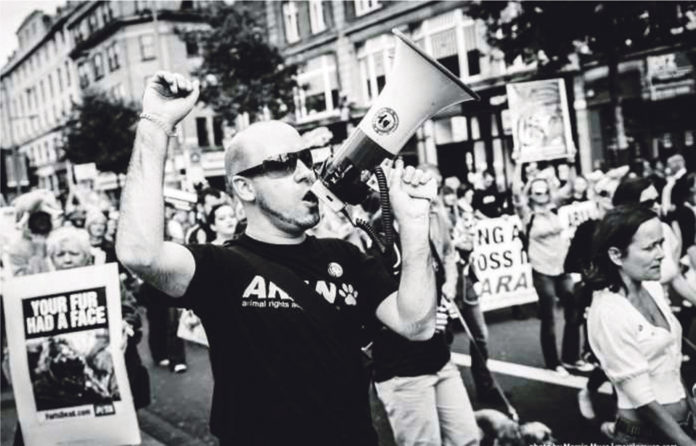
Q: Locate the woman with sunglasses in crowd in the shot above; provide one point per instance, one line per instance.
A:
(536, 204)
(640, 350)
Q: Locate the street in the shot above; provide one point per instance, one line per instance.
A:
(178, 414)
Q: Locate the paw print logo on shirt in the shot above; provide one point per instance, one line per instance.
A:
(348, 293)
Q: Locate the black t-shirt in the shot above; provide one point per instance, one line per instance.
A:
(279, 377)
(393, 355)
(489, 202)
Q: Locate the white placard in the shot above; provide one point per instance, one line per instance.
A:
(501, 264)
(573, 215)
(540, 120)
(68, 371)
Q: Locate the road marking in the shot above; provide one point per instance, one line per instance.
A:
(531, 373)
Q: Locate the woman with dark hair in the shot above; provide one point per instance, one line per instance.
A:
(641, 191)
(222, 220)
(633, 332)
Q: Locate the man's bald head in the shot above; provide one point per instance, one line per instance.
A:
(257, 142)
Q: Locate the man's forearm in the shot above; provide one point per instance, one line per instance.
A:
(417, 289)
(141, 226)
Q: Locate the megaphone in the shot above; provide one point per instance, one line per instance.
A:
(418, 88)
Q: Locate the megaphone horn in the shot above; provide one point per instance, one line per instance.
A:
(418, 87)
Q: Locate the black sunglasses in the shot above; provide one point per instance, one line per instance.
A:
(280, 165)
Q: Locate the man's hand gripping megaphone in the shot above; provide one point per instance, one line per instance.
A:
(410, 191)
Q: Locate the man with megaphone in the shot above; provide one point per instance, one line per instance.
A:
(282, 310)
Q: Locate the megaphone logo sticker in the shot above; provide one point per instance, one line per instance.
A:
(385, 121)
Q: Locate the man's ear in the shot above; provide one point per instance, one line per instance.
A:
(615, 255)
(243, 188)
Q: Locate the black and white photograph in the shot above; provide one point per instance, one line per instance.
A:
(71, 370)
(347, 222)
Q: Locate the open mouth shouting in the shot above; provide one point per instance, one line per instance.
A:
(310, 199)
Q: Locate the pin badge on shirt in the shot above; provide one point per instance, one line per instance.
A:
(335, 270)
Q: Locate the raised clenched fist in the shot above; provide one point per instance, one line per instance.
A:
(170, 97)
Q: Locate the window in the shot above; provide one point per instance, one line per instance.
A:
(375, 57)
(107, 13)
(77, 35)
(43, 91)
(112, 57)
(456, 41)
(318, 93)
(217, 131)
(292, 33)
(147, 47)
(83, 74)
(472, 42)
(473, 58)
(316, 16)
(191, 48)
(92, 24)
(67, 73)
(98, 64)
(202, 132)
(362, 7)
(142, 5)
(50, 85)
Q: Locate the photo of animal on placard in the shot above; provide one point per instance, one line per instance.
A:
(72, 369)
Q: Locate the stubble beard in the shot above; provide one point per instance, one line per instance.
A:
(289, 222)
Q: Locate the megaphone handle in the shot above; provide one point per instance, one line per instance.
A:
(387, 217)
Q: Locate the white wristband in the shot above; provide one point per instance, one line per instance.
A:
(152, 118)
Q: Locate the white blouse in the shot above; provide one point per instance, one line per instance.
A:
(642, 361)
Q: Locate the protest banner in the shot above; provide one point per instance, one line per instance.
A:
(573, 215)
(540, 120)
(191, 329)
(68, 371)
(501, 265)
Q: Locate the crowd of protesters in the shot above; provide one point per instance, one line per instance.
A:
(640, 210)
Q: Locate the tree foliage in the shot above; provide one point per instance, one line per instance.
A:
(552, 33)
(241, 71)
(549, 33)
(101, 131)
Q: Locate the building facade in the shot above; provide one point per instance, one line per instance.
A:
(345, 50)
(38, 86)
(112, 47)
